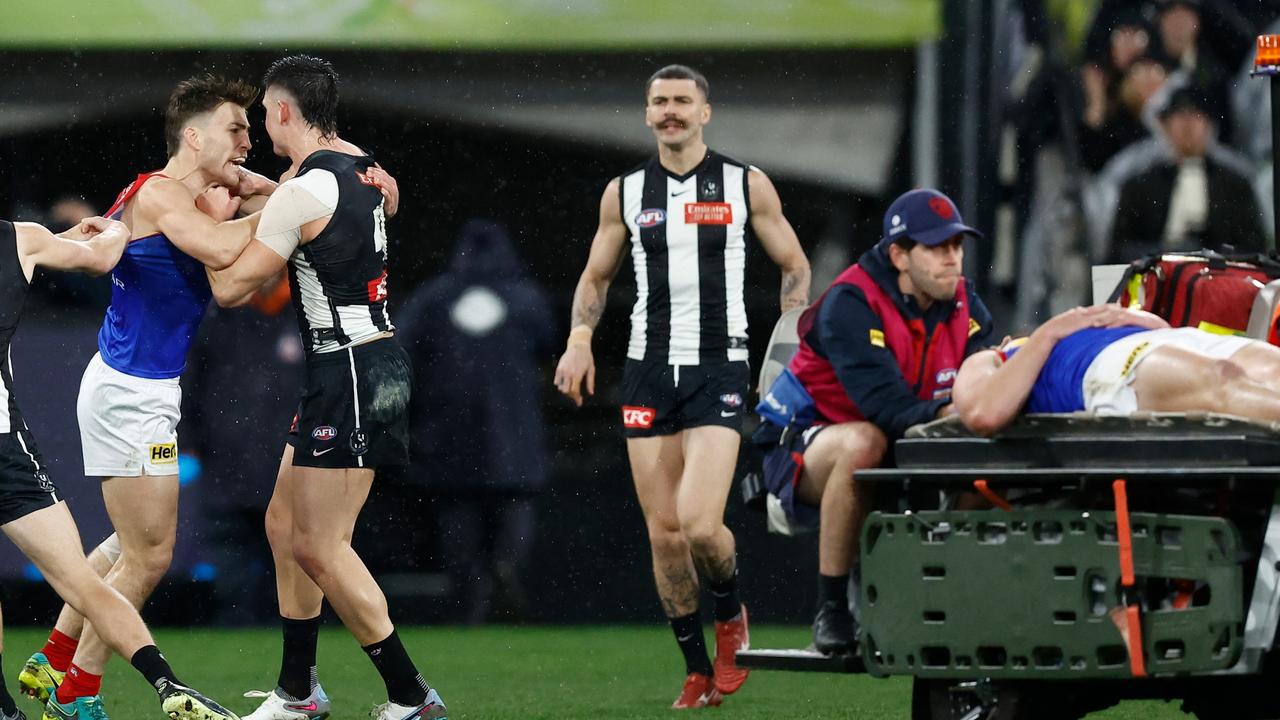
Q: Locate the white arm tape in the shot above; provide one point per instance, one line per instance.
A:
(111, 548)
(295, 203)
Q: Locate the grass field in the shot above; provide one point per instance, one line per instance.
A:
(501, 673)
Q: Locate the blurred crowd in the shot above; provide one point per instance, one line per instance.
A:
(1136, 131)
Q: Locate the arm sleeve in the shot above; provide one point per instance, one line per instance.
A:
(980, 322)
(295, 203)
(868, 373)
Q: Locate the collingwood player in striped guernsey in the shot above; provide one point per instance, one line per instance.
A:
(327, 222)
(684, 216)
(31, 513)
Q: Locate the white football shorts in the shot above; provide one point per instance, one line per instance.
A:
(1108, 383)
(128, 425)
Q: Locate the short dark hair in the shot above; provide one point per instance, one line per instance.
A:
(679, 72)
(905, 243)
(313, 83)
(198, 95)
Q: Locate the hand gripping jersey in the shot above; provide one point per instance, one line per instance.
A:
(339, 279)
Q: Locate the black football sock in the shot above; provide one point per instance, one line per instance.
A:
(153, 667)
(404, 685)
(833, 589)
(298, 658)
(688, 630)
(725, 594)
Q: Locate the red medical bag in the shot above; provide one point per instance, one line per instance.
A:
(1198, 289)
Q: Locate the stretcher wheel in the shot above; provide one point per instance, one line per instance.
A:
(944, 699)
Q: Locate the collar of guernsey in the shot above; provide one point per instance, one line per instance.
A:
(158, 296)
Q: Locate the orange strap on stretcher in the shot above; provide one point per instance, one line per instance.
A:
(991, 495)
(1124, 534)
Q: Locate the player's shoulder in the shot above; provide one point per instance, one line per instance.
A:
(305, 189)
(160, 192)
(324, 171)
(746, 167)
(335, 161)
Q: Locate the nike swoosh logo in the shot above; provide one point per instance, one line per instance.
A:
(678, 194)
(318, 453)
(684, 638)
(727, 414)
(311, 706)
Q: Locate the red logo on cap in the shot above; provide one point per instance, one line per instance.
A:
(942, 208)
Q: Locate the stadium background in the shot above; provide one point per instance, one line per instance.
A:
(521, 111)
(516, 111)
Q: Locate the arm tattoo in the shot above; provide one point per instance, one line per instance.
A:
(795, 289)
(588, 307)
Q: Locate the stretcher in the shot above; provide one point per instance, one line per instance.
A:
(1070, 562)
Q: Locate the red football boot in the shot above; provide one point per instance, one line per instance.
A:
(699, 691)
(731, 637)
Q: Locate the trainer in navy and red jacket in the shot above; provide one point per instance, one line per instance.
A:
(868, 352)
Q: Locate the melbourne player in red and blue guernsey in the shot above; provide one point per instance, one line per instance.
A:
(129, 397)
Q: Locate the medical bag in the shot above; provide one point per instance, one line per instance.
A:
(1205, 290)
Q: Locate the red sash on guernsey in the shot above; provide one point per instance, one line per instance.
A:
(928, 365)
(129, 191)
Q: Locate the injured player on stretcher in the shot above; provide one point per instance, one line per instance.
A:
(1111, 360)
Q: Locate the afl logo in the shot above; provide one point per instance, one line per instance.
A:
(324, 432)
(651, 217)
(946, 376)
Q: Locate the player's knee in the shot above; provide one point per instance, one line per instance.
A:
(150, 562)
(279, 527)
(1225, 371)
(863, 446)
(313, 557)
(1222, 377)
(700, 532)
(666, 540)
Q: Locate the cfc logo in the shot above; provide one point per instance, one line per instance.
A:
(640, 418)
(164, 453)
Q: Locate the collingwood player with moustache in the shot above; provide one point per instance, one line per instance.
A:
(684, 215)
